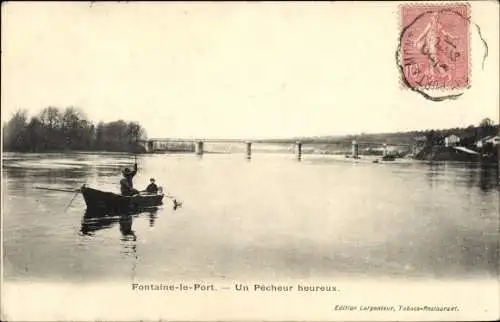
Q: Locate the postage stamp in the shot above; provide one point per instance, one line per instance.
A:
(435, 46)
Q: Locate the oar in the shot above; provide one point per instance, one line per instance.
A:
(75, 191)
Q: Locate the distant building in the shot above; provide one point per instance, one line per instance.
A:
(494, 140)
(421, 139)
(451, 140)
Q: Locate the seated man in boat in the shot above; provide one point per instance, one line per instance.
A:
(126, 184)
(152, 187)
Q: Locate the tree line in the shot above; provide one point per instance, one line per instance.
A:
(469, 135)
(57, 129)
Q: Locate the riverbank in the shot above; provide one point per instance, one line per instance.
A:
(456, 153)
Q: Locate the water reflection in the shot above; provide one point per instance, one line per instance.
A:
(93, 221)
(152, 218)
(48, 174)
(484, 176)
(128, 238)
(53, 166)
(489, 177)
(434, 171)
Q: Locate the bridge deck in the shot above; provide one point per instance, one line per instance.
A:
(269, 141)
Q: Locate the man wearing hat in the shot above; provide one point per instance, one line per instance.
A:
(126, 185)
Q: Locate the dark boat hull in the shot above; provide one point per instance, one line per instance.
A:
(102, 200)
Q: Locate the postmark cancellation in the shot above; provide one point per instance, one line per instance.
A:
(434, 48)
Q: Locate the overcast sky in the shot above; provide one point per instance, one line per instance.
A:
(233, 70)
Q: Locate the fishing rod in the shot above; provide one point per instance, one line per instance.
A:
(135, 147)
(58, 189)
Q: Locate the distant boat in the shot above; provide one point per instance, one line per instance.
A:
(388, 158)
(102, 200)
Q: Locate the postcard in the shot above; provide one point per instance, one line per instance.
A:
(238, 161)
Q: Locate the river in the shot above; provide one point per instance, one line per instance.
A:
(271, 217)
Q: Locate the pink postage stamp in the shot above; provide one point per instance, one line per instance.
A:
(434, 46)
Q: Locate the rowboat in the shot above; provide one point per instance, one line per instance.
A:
(103, 200)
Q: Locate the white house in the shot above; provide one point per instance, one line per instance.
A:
(451, 140)
(495, 140)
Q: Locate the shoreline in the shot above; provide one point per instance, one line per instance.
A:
(363, 159)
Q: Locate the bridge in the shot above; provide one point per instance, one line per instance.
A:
(351, 147)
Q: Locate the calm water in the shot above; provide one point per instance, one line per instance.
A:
(272, 217)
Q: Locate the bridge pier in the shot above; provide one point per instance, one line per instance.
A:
(199, 148)
(150, 146)
(355, 149)
(298, 150)
(248, 150)
(384, 152)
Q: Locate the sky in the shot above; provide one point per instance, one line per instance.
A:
(232, 70)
